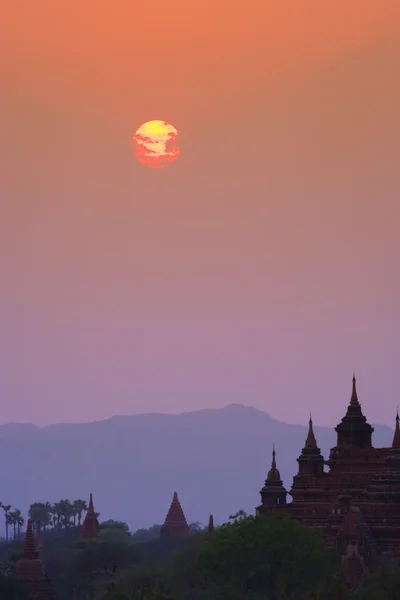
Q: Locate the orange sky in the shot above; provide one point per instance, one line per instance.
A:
(260, 268)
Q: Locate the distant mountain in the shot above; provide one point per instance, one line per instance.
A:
(216, 459)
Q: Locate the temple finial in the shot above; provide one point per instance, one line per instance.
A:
(311, 442)
(273, 473)
(396, 437)
(354, 398)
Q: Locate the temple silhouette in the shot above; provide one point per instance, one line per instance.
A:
(356, 503)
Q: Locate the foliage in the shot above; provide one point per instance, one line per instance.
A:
(273, 555)
(115, 525)
(11, 589)
(382, 585)
(263, 558)
(147, 535)
(115, 535)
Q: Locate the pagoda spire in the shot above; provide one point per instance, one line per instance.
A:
(90, 525)
(273, 494)
(273, 473)
(175, 524)
(210, 527)
(396, 437)
(310, 460)
(354, 430)
(354, 398)
(311, 442)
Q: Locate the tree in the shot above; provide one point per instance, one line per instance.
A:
(19, 520)
(6, 508)
(12, 520)
(12, 589)
(195, 527)
(39, 515)
(66, 511)
(115, 525)
(79, 506)
(272, 555)
(146, 535)
(384, 584)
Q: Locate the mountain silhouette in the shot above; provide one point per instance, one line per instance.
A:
(216, 459)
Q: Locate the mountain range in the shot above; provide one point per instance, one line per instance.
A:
(216, 459)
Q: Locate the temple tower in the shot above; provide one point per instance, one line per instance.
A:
(396, 437)
(210, 527)
(273, 494)
(90, 526)
(311, 461)
(30, 570)
(175, 524)
(353, 431)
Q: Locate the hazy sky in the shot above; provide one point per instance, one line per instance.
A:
(260, 268)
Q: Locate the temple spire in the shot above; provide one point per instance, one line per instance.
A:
(273, 473)
(311, 442)
(354, 398)
(90, 526)
(210, 527)
(396, 437)
(273, 494)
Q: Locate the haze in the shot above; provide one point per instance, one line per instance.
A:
(261, 268)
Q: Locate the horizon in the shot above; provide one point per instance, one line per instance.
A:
(210, 408)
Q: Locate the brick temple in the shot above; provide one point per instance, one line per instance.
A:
(355, 504)
(175, 524)
(30, 571)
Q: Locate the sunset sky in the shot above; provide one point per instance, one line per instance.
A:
(261, 268)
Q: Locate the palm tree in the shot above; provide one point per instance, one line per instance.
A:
(39, 515)
(66, 512)
(12, 520)
(20, 521)
(80, 506)
(57, 513)
(48, 512)
(6, 508)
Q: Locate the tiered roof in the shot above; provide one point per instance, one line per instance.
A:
(175, 523)
(30, 570)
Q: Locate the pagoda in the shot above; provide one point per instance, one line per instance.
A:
(273, 494)
(90, 526)
(30, 571)
(355, 504)
(175, 524)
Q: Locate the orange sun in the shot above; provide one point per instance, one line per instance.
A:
(154, 144)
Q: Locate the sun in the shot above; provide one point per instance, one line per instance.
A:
(155, 144)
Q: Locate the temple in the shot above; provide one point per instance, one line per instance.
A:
(30, 571)
(90, 526)
(355, 504)
(210, 527)
(175, 524)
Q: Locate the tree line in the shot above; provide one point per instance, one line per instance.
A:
(44, 515)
